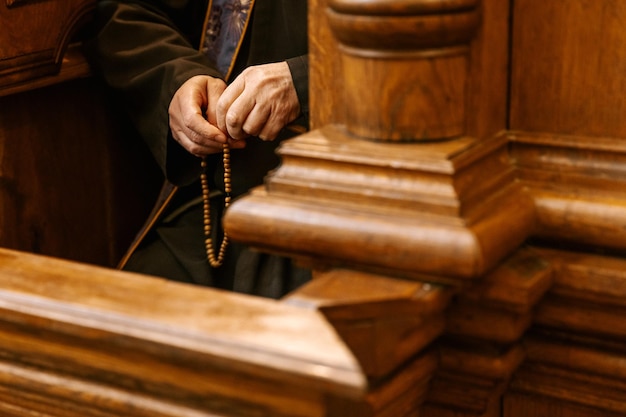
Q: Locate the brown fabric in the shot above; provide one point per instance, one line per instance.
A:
(174, 249)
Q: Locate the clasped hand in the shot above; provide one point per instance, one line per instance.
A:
(205, 113)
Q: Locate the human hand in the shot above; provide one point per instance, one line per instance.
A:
(259, 102)
(192, 116)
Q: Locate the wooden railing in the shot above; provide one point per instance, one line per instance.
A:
(467, 259)
(79, 340)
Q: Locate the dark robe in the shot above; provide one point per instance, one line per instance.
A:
(145, 51)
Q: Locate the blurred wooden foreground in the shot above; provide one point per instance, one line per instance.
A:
(460, 198)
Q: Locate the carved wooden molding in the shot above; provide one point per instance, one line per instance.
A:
(89, 341)
(577, 184)
(482, 345)
(406, 209)
(575, 353)
(11, 3)
(394, 55)
(399, 26)
(28, 57)
(383, 321)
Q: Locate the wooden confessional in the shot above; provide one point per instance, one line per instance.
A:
(460, 198)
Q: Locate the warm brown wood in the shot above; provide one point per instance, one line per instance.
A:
(76, 181)
(420, 47)
(577, 183)
(592, 290)
(35, 35)
(438, 291)
(482, 347)
(343, 198)
(487, 90)
(576, 355)
(87, 341)
(524, 405)
(384, 321)
(326, 106)
(73, 66)
(334, 199)
(567, 67)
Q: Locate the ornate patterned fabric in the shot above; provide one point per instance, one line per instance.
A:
(223, 31)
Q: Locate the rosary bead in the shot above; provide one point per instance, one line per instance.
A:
(210, 251)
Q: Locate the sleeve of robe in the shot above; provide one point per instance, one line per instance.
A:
(144, 57)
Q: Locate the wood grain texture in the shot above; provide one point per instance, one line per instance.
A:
(567, 67)
(73, 66)
(575, 354)
(410, 209)
(577, 184)
(538, 331)
(488, 73)
(402, 106)
(588, 295)
(592, 391)
(482, 345)
(325, 69)
(412, 56)
(72, 170)
(383, 321)
(35, 36)
(96, 342)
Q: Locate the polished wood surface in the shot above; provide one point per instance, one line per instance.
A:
(35, 35)
(73, 170)
(79, 340)
(344, 201)
(567, 67)
(475, 273)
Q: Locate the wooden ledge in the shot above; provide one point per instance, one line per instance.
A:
(73, 66)
(35, 36)
(577, 184)
(169, 342)
(402, 208)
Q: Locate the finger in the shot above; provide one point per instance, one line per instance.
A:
(225, 101)
(194, 147)
(237, 115)
(256, 120)
(214, 92)
(233, 108)
(185, 116)
(202, 132)
(237, 143)
(270, 129)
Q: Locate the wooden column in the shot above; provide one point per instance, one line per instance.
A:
(405, 66)
(410, 221)
(379, 199)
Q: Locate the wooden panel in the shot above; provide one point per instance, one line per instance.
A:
(325, 69)
(518, 405)
(384, 321)
(488, 72)
(35, 34)
(569, 60)
(76, 180)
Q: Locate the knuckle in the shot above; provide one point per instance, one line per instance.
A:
(221, 107)
(232, 118)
